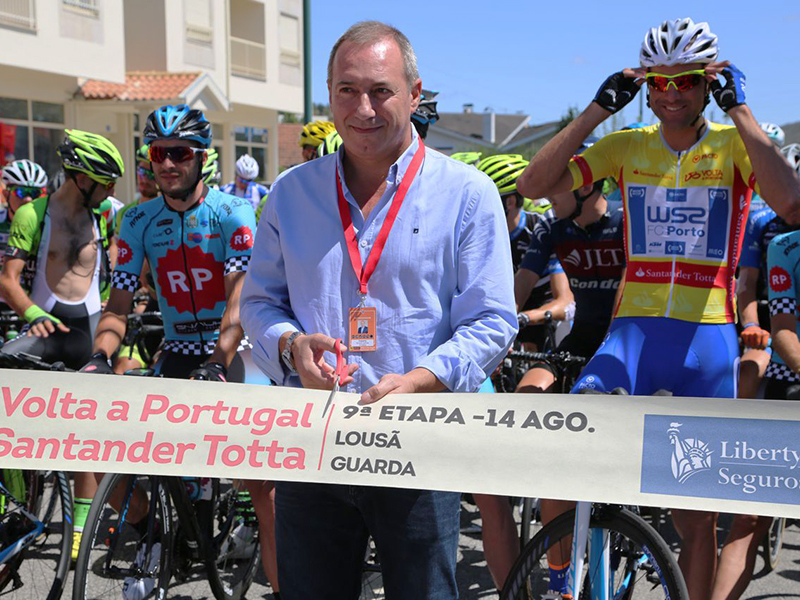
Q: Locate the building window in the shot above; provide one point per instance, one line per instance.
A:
(32, 130)
(253, 141)
(289, 36)
(20, 14)
(198, 22)
(87, 8)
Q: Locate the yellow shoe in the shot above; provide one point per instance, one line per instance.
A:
(76, 544)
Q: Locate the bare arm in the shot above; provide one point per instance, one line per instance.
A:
(112, 325)
(11, 289)
(746, 295)
(784, 339)
(524, 282)
(557, 307)
(777, 181)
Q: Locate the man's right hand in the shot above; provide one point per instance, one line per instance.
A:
(619, 89)
(42, 323)
(98, 364)
(308, 358)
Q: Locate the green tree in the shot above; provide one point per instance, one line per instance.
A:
(568, 117)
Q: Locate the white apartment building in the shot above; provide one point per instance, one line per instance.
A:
(104, 65)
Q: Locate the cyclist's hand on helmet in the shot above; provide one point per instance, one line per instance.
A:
(619, 89)
(43, 323)
(730, 94)
(308, 356)
(755, 337)
(98, 363)
(212, 371)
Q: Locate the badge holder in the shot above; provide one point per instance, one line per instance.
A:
(337, 375)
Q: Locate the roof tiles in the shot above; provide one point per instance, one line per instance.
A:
(139, 86)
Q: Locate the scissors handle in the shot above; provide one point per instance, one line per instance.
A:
(341, 366)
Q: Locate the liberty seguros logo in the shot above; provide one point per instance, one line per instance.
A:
(689, 455)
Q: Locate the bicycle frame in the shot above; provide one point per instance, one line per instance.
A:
(25, 540)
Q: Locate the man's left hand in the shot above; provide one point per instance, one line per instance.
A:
(393, 383)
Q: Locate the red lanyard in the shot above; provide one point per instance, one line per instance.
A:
(366, 272)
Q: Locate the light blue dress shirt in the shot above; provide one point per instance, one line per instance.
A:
(443, 288)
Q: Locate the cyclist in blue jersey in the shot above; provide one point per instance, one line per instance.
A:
(783, 264)
(763, 225)
(197, 242)
(245, 185)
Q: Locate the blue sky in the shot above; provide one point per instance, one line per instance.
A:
(541, 57)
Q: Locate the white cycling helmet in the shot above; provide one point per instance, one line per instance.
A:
(678, 42)
(792, 154)
(247, 167)
(25, 173)
(774, 133)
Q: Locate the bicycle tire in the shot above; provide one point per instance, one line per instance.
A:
(47, 558)
(371, 574)
(772, 545)
(229, 578)
(645, 555)
(110, 544)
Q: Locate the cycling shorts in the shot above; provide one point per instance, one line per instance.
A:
(583, 340)
(73, 348)
(647, 354)
(173, 365)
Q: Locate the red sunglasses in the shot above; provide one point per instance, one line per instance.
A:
(177, 154)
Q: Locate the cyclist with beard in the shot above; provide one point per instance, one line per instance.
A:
(197, 242)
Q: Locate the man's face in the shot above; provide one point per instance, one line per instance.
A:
(309, 153)
(241, 183)
(101, 191)
(563, 204)
(371, 100)
(678, 109)
(177, 178)
(145, 180)
(11, 194)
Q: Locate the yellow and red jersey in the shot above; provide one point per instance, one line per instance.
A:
(685, 215)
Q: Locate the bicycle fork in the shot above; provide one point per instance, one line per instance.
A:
(598, 543)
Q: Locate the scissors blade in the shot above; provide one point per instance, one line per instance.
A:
(330, 398)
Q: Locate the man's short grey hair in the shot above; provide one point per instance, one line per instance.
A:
(370, 32)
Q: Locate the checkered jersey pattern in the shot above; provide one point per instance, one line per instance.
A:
(125, 281)
(236, 263)
(778, 306)
(781, 373)
(191, 347)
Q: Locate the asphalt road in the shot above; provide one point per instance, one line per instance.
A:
(475, 583)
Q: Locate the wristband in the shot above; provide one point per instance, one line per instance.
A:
(33, 312)
(750, 325)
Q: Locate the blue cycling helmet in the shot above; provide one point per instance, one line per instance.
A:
(178, 123)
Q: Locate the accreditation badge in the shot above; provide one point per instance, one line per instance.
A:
(363, 332)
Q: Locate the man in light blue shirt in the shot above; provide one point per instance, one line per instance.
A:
(439, 301)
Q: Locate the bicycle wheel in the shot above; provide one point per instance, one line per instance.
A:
(234, 550)
(773, 542)
(43, 565)
(117, 554)
(641, 564)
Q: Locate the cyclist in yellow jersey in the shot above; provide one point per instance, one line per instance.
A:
(686, 185)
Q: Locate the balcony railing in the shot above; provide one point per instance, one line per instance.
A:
(248, 59)
(87, 8)
(18, 13)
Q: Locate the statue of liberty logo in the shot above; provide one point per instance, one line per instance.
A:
(689, 456)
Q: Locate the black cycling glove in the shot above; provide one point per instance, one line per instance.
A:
(732, 93)
(523, 320)
(99, 363)
(212, 371)
(616, 92)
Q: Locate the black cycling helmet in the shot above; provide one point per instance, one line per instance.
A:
(426, 113)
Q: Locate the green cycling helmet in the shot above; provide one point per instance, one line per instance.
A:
(470, 158)
(91, 154)
(504, 169)
(143, 154)
(315, 132)
(211, 174)
(330, 144)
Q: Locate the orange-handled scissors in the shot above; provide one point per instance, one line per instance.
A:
(341, 369)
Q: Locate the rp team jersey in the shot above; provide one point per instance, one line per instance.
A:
(685, 215)
(189, 253)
